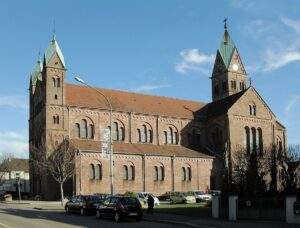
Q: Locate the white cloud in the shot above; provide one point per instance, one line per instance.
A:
(275, 60)
(15, 143)
(292, 102)
(194, 60)
(293, 24)
(16, 101)
(150, 87)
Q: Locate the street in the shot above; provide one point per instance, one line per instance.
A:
(25, 216)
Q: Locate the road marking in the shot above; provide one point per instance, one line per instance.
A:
(42, 217)
(1, 224)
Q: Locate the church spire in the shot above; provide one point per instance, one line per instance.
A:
(229, 76)
(53, 48)
(227, 46)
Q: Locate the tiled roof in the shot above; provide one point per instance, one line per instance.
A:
(220, 107)
(131, 102)
(140, 149)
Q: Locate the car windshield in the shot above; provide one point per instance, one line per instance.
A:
(128, 201)
(199, 193)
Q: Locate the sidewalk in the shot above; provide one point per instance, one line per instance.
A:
(185, 221)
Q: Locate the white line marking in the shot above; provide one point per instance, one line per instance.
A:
(1, 224)
(42, 217)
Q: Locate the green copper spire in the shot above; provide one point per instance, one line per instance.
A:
(226, 48)
(36, 72)
(52, 49)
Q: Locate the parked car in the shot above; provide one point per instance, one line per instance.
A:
(119, 207)
(182, 197)
(201, 196)
(215, 192)
(165, 196)
(145, 195)
(82, 204)
(102, 197)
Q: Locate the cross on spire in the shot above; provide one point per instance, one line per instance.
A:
(225, 23)
(53, 31)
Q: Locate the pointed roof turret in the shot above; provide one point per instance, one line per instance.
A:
(36, 73)
(227, 47)
(52, 49)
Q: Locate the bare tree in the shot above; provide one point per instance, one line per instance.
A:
(4, 166)
(58, 160)
(248, 173)
(288, 162)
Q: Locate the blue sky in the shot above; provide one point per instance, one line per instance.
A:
(157, 47)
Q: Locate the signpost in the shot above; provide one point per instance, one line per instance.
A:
(105, 147)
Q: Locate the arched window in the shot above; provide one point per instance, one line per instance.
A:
(84, 130)
(260, 141)
(54, 82)
(144, 133)
(58, 82)
(56, 119)
(115, 131)
(98, 172)
(279, 144)
(170, 136)
(139, 135)
(77, 130)
(189, 173)
(125, 172)
(250, 110)
(247, 140)
(166, 137)
(90, 131)
(254, 146)
(183, 174)
(92, 172)
(131, 175)
(122, 134)
(156, 173)
(254, 110)
(162, 173)
(159, 173)
(176, 138)
(150, 136)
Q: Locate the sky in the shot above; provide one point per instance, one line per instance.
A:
(156, 47)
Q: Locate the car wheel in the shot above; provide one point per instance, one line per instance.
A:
(139, 218)
(82, 212)
(67, 210)
(117, 217)
(98, 215)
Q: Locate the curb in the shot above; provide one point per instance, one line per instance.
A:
(15, 203)
(186, 224)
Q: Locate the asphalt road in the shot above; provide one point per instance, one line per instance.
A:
(24, 216)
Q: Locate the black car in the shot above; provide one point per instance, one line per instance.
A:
(119, 207)
(82, 204)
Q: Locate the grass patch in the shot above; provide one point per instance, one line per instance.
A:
(192, 210)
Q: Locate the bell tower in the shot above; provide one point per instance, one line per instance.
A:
(54, 71)
(229, 75)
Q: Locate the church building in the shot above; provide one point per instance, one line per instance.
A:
(160, 144)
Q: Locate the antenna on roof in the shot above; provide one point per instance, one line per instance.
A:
(250, 80)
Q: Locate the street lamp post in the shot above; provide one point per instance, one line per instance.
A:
(111, 170)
